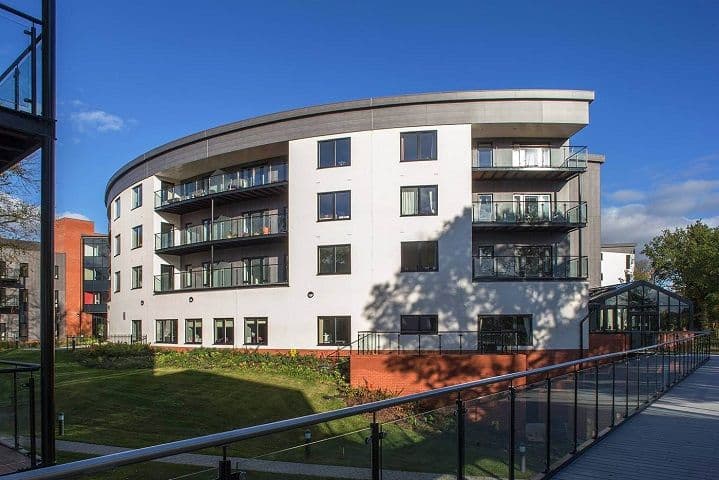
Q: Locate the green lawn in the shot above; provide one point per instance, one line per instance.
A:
(140, 407)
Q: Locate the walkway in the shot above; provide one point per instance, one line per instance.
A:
(677, 437)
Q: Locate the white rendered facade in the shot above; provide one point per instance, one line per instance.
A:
(617, 263)
(375, 294)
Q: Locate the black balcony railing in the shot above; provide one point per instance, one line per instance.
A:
(19, 410)
(222, 183)
(452, 341)
(529, 212)
(525, 424)
(248, 275)
(247, 226)
(529, 267)
(21, 36)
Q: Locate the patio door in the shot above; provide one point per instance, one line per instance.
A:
(534, 207)
(534, 261)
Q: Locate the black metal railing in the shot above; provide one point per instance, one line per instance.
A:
(529, 267)
(450, 341)
(18, 409)
(246, 226)
(529, 212)
(129, 339)
(524, 424)
(225, 182)
(530, 157)
(235, 276)
(76, 341)
(21, 34)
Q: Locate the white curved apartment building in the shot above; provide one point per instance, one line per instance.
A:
(453, 217)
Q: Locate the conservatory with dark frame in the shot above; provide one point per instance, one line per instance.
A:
(638, 307)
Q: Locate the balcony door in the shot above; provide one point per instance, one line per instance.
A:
(528, 157)
(532, 207)
(534, 261)
(482, 208)
(167, 277)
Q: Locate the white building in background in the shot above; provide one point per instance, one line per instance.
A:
(466, 214)
(617, 263)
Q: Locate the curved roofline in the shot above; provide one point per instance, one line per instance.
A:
(338, 107)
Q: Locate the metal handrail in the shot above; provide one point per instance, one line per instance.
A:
(224, 438)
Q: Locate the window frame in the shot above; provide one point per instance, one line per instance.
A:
(334, 318)
(173, 321)
(136, 238)
(194, 322)
(416, 269)
(116, 282)
(224, 329)
(117, 205)
(136, 197)
(334, 206)
(56, 272)
(419, 133)
(434, 319)
(334, 253)
(136, 280)
(418, 188)
(118, 245)
(516, 317)
(132, 330)
(254, 321)
(334, 141)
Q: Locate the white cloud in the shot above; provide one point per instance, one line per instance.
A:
(75, 215)
(97, 120)
(627, 195)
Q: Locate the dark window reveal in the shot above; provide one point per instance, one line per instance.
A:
(419, 257)
(334, 153)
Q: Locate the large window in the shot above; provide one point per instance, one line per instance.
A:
(334, 153)
(136, 196)
(255, 331)
(333, 330)
(418, 146)
(507, 330)
(117, 208)
(166, 331)
(333, 206)
(117, 244)
(421, 200)
(419, 257)
(137, 236)
(193, 330)
(334, 259)
(117, 281)
(224, 331)
(137, 277)
(136, 331)
(418, 324)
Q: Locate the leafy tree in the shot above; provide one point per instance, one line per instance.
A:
(19, 213)
(643, 270)
(688, 259)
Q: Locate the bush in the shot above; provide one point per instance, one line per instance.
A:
(116, 356)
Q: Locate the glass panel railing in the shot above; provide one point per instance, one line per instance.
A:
(518, 266)
(265, 273)
(16, 63)
(224, 182)
(562, 417)
(487, 436)
(530, 157)
(531, 411)
(528, 211)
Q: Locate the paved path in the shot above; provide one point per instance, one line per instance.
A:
(677, 437)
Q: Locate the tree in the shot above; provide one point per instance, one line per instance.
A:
(19, 213)
(688, 259)
(643, 270)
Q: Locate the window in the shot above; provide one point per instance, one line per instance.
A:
(224, 331)
(136, 332)
(419, 257)
(333, 206)
(137, 236)
(418, 324)
(57, 272)
(117, 208)
(166, 331)
(530, 156)
(256, 331)
(629, 262)
(333, 153)
(505, 330)
(136, 196)
(416, 146)
(333, 330)
(334, 260)
(117, 244)
(416, 201)
(484, 156)
(137, 277)
(24, 270)
(193, 330)
(482, 208)
(117, 281)
(57, 299)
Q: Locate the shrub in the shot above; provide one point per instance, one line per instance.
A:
(116, 356)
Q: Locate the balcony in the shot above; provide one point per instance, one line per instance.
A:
(263, 181)
(522, 162)
(527, 213)
(522, 267)
(241, 276)
(243, 230)
(95, 308)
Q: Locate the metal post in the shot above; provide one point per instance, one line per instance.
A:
(663, 373)
(375, 459)
(575, 414)
(16, 87)
(646, 379)
(33, 69)
(626, 391)
(461, 411)
(512, 433)
(31, 406)
(639, 382)
(614, 375)
(548, 427)
(47, 219)
(15, 412)
(596, 400)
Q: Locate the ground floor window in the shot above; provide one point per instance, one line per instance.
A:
(3, 332)
(224, 331)
(515, 329)
(99, 326)
(193, 330)
(166, 331)
(256, 331)
(426, 324)
(136, 332)
(333, 330)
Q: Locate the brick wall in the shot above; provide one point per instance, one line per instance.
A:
(68, 240)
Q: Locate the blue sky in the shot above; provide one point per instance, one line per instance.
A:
(133, 75)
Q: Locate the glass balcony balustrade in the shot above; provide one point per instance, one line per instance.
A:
(245, 226)
(530, 157)
(254, 272)
(537, 210)
(225, 182)
(523, 266)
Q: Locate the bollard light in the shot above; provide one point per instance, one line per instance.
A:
(308, 439)
(522, 458)
(60, 424)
